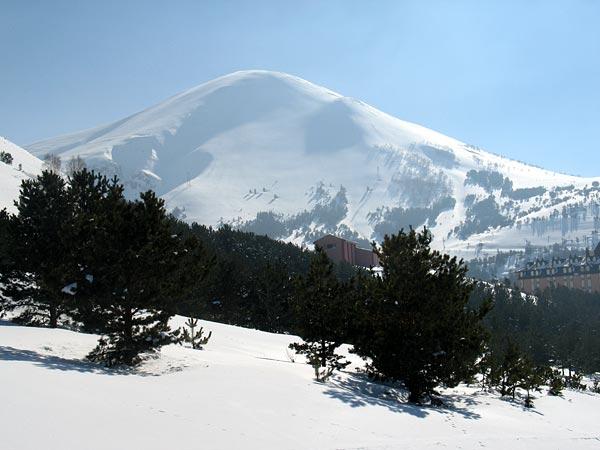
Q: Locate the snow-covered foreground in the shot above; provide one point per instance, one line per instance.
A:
(243, 391)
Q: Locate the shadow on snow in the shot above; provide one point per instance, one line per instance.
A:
(358, 391)
(55, 362)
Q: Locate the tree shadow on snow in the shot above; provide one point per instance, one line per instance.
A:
(518, 403)
(357, 390)
(58, 363)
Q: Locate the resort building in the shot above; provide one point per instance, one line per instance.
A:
(339, 249)
(578, 272)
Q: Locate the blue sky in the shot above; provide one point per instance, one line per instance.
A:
(519, 78)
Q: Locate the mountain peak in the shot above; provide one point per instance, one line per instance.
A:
(253, 148)
(262, 80)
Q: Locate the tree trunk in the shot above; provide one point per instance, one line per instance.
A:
(128, 326)
(414, 397)
(53, 316)
(128, 335)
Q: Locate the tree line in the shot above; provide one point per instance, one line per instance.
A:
(77, 253)
(559, 326)
(422, 323)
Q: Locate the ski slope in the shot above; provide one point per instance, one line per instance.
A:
(243, 392)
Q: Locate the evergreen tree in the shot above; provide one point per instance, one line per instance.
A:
(140, 270)
(38, 254)
(6, 158)
(272, 288)
(197, 339)
(416, 327)
(556, 383)
(559, 327)
(92, 197)
(532, 378)
(511, 370)
(251, 284)
(5, 254)
(321, 315)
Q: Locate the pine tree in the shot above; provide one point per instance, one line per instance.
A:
(271, 291)
(92, 196)
(321, 314)
(197, 339)
(532, 378)
(6, 158)
(6, 262)
(487, 368)
(416, 327)
(35, 276)
(140, 271)
(510, 371)
(556, 383)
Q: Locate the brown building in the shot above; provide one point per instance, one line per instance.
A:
(581, 272)
(339, 249)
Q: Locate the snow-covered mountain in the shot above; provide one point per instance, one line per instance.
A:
(275, 154)
(24, 165)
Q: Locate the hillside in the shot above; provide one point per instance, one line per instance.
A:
(11, 176)
(243, 391)
(272, 153)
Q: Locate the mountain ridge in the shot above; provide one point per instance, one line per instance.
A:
(252, 148)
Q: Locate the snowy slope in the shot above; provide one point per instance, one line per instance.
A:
(11, 176)
(242, 391)
(275, 154)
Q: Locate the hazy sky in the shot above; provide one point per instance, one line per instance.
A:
(517, 78)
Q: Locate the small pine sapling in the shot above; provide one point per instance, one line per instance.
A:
(321, 308)
(531, 379)
(556, 383)
(322, 357)
(510, 370)
(196, 339)
(488, 368)
(575, 381)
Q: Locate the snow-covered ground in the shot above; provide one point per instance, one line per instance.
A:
(243, 391)
(11, 176)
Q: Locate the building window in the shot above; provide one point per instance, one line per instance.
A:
(330, 246)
